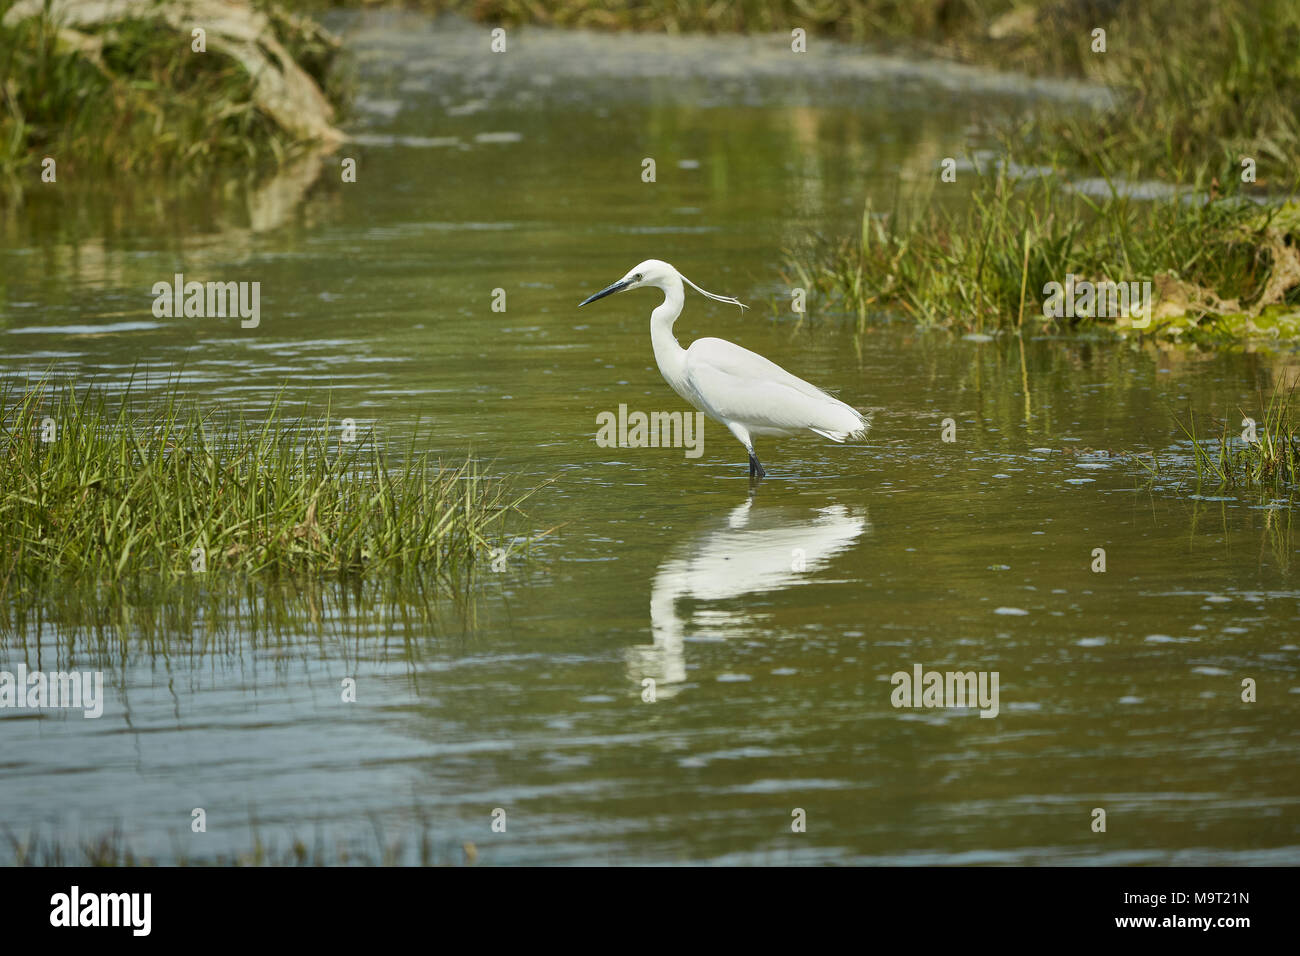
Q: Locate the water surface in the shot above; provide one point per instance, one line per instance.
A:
(770, 620)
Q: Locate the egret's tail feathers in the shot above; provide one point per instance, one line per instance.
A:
(854, 432)
(864, 426)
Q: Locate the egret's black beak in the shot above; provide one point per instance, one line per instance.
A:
(618, 286)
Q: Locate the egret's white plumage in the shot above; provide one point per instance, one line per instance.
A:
(732, 385)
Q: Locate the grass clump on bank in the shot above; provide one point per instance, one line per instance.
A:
(1207, 96)
(120, 88)
(1199, 86)
(1217, 269)
(115, 494)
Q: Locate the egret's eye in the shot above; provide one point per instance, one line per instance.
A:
(637, 277)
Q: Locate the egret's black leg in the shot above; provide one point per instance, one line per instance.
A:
(756, 469)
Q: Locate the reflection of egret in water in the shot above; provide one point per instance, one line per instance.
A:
(752, 553)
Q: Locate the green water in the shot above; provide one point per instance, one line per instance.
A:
(770, 621)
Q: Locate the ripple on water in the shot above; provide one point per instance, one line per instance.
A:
(104, 329)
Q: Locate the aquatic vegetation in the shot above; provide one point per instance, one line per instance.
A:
(1219, 269)
(1265, 453)
(102, 494)
(122, 89)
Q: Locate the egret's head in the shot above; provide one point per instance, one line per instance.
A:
(656, 273)
(652, 272)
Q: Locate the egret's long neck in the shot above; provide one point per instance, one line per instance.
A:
(670, 356)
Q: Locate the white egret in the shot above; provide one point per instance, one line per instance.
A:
(732, 385)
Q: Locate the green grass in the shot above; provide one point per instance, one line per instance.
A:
(1229, 455)
(1230, 459)
(124, 492)
(982, 266)
(147, 104)
(1199, 85)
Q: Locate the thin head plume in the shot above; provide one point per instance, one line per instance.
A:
(730, 300)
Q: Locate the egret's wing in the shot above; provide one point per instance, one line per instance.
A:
(737, 385)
